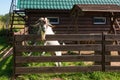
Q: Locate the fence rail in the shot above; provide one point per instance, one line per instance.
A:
(103, 47)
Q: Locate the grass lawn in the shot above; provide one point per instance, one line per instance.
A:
(6, 68)
(6, 73)
(3, 42)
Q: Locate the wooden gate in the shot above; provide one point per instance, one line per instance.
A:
(74, 42)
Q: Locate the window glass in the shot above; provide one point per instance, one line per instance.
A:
(99, 20)
(53, 20)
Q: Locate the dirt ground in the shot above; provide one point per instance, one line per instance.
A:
(115, 53)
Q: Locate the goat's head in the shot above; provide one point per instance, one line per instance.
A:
(43, 24)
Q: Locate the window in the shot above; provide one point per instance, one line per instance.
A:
(99, 20)
(53, 20)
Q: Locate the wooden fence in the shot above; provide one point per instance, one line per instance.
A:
(74, 42)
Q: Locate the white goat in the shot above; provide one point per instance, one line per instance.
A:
(45, 28)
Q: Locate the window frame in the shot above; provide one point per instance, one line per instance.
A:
(101, 23)
(54, 22)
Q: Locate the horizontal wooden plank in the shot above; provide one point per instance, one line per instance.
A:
(82, 29)
(112, 47)
(82, 25)
(63, 18)
(112, 68)
(60, 37)
(20, 38)
(80, 22)
(66, 58)
(112, 37)
(75, 37)
(26, 70)
(83, 47)
(79, 32)
(112, 58)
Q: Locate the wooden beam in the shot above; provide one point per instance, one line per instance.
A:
(64, 58)
(75, 37)
(49, 48)
(28, 70)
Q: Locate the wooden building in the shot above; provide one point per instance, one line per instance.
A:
(91, 18)
(88, 16)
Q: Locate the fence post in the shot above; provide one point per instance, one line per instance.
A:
(14, 54)
(103, 52)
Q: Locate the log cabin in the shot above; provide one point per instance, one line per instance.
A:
(73, 16)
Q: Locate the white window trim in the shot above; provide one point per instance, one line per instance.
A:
(54, 22)
(99, 22)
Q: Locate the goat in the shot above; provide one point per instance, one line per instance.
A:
(45, 28)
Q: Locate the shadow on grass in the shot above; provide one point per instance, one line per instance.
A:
(3, 42)
(6, 67)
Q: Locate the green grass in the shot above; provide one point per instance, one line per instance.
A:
(6, 71)
(6, 67)
(3, 42)
(74, 76)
